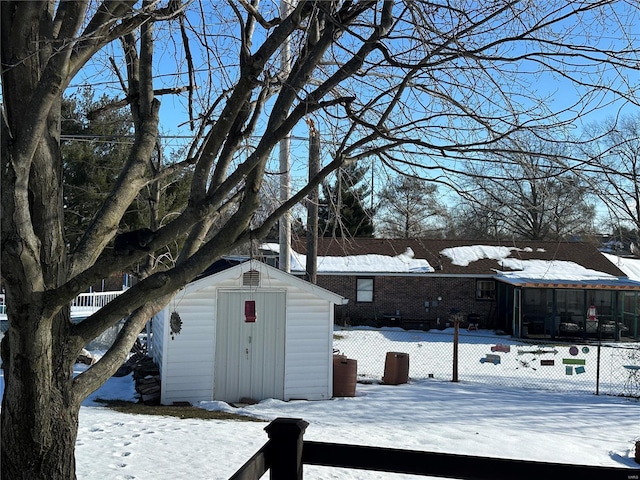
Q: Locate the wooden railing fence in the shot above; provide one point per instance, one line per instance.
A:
(286, 452)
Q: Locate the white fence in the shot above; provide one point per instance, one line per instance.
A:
(82, 306)
(90, 302)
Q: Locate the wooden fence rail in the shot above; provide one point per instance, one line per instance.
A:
(286, 452)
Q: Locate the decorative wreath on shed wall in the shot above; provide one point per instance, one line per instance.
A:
(175, 324)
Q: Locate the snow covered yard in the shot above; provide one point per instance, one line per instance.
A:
(428, 414)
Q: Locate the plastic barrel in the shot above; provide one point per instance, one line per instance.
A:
(396, 368)
(345, 373)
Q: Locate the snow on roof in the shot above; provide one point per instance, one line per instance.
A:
(523, 269)
(551, 270)
(629, 266)
(463, 256)
(403, 263)
(506, 266)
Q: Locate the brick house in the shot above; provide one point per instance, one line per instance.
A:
(527, 288)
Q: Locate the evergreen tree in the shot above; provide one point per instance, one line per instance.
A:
(96, 143)
(342, 212)
(94, 152)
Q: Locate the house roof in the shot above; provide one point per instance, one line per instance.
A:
(534, 264)
(221, 265)
(461, 257)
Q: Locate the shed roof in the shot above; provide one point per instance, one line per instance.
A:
(237, 267)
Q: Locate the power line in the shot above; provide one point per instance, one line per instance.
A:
(116, 82)
(112, 138)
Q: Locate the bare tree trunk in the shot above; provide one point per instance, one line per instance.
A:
(39, 416)
(38, 399)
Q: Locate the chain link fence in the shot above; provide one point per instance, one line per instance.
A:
(593, 367)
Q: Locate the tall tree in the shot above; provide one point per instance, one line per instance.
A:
(94, 152)
(96, 139)
(409, 81)
(409, 208)
(528, 195)
(342, 211)
(470, 219)
(613, 169)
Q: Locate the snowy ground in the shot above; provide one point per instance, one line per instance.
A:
(430, 415)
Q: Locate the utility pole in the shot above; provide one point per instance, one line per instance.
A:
(284, 232)
(312, 204)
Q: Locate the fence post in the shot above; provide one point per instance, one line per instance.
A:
(285, 450)
(456, 341)
(598, 371)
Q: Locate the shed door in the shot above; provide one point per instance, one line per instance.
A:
(250, 356)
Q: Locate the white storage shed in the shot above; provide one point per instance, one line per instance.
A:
(220, 354)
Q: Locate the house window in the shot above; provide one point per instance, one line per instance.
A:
(485, 290)
(364, 290)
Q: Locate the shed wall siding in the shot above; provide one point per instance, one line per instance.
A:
(189, 357)
(308, 347)
(157, 343)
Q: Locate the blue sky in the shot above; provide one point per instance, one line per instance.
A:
(558, 93)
